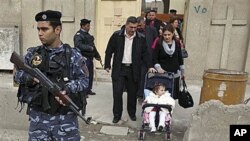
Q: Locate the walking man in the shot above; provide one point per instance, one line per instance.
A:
(150, 34)
(129, 50)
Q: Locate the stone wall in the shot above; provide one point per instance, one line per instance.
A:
(212, 120)
(10, 12)
(10, 27)
(20, 14)
(72, 12)
(217, 36)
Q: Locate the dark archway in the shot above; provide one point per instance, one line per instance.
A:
(166, 6)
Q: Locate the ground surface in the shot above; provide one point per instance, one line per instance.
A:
(14, 125)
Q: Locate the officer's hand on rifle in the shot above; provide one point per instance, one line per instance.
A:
(30, 81)
(58, 99)
(36, 80)
(99, 59)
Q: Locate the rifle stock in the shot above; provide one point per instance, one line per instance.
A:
(46, 82)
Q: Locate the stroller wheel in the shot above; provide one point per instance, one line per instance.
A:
(141, 135)
(168, 137)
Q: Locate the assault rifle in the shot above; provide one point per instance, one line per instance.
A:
(101, 63)
(47, 83)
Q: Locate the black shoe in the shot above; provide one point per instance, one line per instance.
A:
(133, 118)
(91, 93)
(116, 120)
(160, 128)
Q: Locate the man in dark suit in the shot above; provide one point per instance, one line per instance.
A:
(150, 34)
(129, 50)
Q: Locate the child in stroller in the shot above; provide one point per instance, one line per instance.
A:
(158, 96)
(158, 104)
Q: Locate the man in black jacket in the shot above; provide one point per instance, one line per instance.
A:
(153, 21)
(129, 50)
(150, 34)
(85, 43)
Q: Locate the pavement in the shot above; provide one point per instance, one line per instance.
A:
(14, 125)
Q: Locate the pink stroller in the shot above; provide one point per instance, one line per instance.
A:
(150, 80)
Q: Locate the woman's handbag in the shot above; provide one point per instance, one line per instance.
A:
(184, 53)
(183, 50)
(185, 99)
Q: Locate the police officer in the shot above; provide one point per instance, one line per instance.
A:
(63, 66)
(85, 43)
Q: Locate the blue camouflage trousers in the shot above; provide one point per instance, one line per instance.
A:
(46, 127)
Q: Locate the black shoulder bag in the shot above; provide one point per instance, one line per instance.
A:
(185, 99)
(184, 53)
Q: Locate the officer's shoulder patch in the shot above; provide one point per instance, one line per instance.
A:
(78, 33)
(36, 59)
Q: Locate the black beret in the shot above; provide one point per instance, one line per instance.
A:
(85, 21)
(49, 15)
(172, 11)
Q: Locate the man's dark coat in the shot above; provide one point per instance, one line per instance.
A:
(115, 48)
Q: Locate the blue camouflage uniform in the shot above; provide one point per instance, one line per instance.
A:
(57, 126)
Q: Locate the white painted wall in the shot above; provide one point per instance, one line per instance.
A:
(177, 5)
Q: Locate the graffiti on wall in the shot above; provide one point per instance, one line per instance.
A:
(200, 10)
